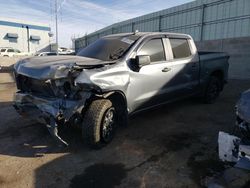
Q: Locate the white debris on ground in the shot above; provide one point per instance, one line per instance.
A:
(228, 145)
(231, 149)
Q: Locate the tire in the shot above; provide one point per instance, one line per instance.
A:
(99, 123)
(213, 89)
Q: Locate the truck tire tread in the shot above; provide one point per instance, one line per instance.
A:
(214, 81)
(92, 121)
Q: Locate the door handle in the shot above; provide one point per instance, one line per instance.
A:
(166, 69)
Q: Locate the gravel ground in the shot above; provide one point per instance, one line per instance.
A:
(171, 146)
(9, 61)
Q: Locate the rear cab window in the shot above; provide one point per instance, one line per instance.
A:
(180, 48)
(153, 48)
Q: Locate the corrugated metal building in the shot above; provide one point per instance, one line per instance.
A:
(204, 20)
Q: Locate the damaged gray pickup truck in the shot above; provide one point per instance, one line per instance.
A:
(113, 78)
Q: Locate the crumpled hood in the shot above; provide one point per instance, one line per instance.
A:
(243, 106)
(54, 67)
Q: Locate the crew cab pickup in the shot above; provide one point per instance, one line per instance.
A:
(114, 77)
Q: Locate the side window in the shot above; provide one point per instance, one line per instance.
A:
(153, 48)
(180, 48)
(10, 50)
(3, 50)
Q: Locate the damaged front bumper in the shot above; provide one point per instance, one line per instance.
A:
(50, 111)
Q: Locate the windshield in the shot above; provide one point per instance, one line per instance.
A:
(109, 48)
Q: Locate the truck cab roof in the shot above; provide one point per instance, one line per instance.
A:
(145, 34)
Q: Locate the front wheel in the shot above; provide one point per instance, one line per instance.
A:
(213, 89)
(99, 123)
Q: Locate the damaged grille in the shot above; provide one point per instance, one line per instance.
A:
(31, 85)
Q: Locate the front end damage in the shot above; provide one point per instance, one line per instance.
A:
(50, 111)
(56, 90)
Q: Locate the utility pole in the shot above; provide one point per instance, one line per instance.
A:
(56, 11)
(28, 38)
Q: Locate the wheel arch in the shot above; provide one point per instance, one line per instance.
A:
(119, 101)
(116, 97)
(219, 74)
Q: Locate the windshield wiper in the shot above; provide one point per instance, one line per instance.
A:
(117, 54)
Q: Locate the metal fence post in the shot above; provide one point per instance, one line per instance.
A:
(202, 21)
(160, 27)
(86, 41)
(133, 26)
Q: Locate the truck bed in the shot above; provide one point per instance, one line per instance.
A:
(208, 56)
(213, 61)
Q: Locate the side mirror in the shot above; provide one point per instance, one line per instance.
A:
(142, 60)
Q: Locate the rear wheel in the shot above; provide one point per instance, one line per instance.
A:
(213, 89)
(99, 123)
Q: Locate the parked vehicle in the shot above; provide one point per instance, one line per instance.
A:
(11, 52)
(7, 52)
(65, 51)
(46, 54)
(114, 77)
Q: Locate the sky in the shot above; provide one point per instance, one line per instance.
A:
(78, 17)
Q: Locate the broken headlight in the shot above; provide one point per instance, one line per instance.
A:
(64, 88)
